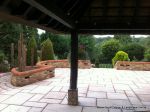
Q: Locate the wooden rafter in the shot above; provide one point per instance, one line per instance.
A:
(52, 10)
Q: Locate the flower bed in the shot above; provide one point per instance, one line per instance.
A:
(84, 64)
(125, 65)
(31, 75)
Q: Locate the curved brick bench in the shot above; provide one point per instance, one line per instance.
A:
(31, 75)
(125, 65)
(84, 64)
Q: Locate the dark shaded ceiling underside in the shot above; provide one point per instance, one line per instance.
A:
(86, 16)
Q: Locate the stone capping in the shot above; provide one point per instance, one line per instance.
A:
(28, 72)
(126, 65)
(84, 64)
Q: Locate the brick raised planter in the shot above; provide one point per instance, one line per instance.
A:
(31, 75)
(125, 65)
(54, 63)
(84, 64)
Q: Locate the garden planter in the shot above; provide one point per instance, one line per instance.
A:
(54, 63)
(84, 64)
(64, 63)
(31, 75)
(126, 65)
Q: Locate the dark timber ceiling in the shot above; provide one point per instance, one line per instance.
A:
(86, 16)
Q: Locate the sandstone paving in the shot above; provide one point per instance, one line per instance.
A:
(16, 108)
(99, 90)
(62, 108)
(18, 99)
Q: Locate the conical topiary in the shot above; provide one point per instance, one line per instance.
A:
(47, 50)
(32, 52)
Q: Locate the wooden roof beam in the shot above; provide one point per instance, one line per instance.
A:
(51, 10)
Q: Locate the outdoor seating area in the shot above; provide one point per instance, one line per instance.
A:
(99, 90)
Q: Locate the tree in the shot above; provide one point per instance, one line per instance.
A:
(32, 51)
(109, 49)
(123, 39)
(147, 55)
(9, 33)
(47, 50)
(88, 42)
(61, 44)
(135, 51)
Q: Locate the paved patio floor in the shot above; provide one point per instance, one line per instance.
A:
(100, 90)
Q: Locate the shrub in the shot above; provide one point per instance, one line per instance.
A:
(109, 48)
(120, 56)
(47, 50)
(2, 56)
(135, 51)
(32, 52)
(147, 55)
(82, 54)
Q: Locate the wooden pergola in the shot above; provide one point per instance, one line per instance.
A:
(79, 17)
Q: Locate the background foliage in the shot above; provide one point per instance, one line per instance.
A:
(99, 50)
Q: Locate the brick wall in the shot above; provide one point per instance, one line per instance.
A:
(125, 65)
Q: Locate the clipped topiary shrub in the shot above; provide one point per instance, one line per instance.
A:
(47, 50)
(120, 56)
(32, 52)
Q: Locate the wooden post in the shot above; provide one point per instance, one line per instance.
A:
(73, 91)
(21, 54)
(12, 55)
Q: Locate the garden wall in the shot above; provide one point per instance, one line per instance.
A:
(84, 64)
(125, 65)
(31, 75)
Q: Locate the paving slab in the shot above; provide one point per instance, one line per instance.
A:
(56, 95)
(62, 108)
(18, 99)
(96, 94)
(94, 109)
(16, 108)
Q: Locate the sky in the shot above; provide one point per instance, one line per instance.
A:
(104, 36)
(41, 31)
(101, 36)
